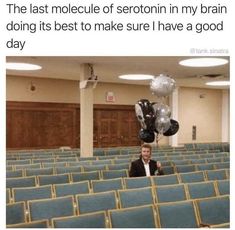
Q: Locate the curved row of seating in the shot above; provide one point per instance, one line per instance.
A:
(40, 180)
(66, 211)
(62, 189)
(179, 160)
(107, 171)
(172, 189)
(224, 146)
(25, 156)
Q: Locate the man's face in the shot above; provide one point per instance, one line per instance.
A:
(146, 154)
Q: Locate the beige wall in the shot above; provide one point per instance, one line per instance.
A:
(205, 112)
(47, 90)
(200, 107)
(65, 91)
(124, 94)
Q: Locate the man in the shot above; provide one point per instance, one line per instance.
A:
(144, 166)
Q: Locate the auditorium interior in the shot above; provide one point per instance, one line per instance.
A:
(74, 124)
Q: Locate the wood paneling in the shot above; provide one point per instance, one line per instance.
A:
(41, 125)
(51, 125)
(115, 126)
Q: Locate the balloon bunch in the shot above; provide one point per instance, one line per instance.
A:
(155, 117)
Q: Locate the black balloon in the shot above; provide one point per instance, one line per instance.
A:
(173, 128)
(146, 135)
(146, 116)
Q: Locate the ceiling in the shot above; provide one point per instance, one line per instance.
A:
(109, 68)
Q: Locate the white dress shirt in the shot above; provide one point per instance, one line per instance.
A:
(146, 167)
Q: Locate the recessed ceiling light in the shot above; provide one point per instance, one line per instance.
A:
(203, 62)
(136, 77)
(218, 83)
(22, 66)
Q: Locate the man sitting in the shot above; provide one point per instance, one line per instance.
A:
(144, 166)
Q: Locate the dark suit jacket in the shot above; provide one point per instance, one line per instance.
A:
(137, 168)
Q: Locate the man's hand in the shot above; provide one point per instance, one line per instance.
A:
(159, 165)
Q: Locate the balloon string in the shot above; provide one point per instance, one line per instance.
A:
(158, 138)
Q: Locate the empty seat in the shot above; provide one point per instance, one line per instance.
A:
(205, 167)
(168, 170)
(177, 215)
(122, 161)
(177, 159)
(66, 159)
(112, 152)
(102, 162)
(52, 165)
(66, 155)
(135, 197)
(214, 210)
(226, 159)
(118, 166)
(191, 157)
(33, 224)
(32, 193)
(211, 155)
(29, 166)
(161, 158)
(137, 182)
(50, 208)
(110, 174)
(181, 162)
(192, 177)
(15, 213)
(43, 160)
(198, 161)
(8, 195)
(185, 168)
(98, 152)
(165, 179)
(201, 190)
(214, 160)
(9, 167)
(216, 174)
(101, 201)
(36, 172)
(15, 158)
(53, 179)
(170, 193)
(69, 169)
(43, 155)
(227, 171)
(90, 168)
(126, 157)
(135, 217)
(222, 154)
(18, 162)
(222, 165)
(16, 173)
(106, 158)
(71, 189)
(80, 163)
(87, 158)
(107, 185)
(157, 154)
(76, 177)
(21, 182)
(223, 187)
(90, 220)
